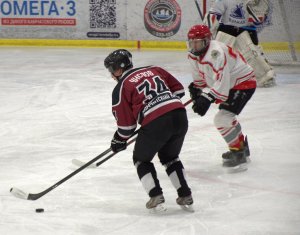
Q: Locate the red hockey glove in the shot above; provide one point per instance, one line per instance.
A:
(202, 103)
(118, 143)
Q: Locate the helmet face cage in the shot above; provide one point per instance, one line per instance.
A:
(119, 59)
(199, 37)
(197, 46)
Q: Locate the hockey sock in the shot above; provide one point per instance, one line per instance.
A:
(148, 177)
(175, 171)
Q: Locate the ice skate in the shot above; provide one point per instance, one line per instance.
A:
(156, 204)
(235, 161)
(186, 203)
(227, 156)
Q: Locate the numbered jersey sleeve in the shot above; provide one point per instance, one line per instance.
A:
(142, 95)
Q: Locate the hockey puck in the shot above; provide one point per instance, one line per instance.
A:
(39, 210)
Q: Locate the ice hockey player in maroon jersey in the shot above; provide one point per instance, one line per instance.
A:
(150, 96)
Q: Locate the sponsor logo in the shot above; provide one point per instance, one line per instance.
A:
(162, 18)
(43, 12)
(156, 101)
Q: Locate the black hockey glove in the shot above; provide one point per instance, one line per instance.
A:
(202, 103)
(118, 143)
(194, 91)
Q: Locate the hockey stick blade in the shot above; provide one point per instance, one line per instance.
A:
(19, 193)
(26, 196)
(34, 196)
(79, 163)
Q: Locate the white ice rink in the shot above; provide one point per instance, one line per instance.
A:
(55, 105)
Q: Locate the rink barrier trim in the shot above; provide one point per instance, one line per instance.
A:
(161, 45)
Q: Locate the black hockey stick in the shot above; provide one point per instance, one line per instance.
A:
(199, 10)
(94, 165)
(34, 196)
(113, 154)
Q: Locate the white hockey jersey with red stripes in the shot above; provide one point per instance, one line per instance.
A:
(220, 69)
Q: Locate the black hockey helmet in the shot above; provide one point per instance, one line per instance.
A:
(119, 59)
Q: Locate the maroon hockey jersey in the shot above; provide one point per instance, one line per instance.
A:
(143, 94)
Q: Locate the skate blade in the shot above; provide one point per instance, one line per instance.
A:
(247, 159)
(237, 169)
(160, 208)
(188, 208)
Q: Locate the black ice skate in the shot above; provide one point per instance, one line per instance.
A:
(227, 156)
(236, 160)
(156, 204)
(186, 203)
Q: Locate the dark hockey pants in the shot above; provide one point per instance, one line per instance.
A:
(165, 136)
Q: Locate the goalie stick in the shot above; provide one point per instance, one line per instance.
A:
(199, 10)
(258, 9)
(95, 165)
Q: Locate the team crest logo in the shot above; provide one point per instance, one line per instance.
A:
(215, 54)
(238, 12)
(162, 18)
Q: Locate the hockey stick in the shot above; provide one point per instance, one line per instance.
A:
(188, 102)
(199, 10)
(34, 196)
(112, 154)
(94, 165)
(258, 9)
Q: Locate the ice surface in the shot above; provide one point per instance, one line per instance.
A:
(55, 106)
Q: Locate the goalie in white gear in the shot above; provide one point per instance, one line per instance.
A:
(234, 23)
(222, 76)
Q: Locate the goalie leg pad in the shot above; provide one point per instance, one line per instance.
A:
(226, 38)
(254, 56)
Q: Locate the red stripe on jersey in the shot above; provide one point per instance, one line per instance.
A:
(232, 52)
(211, 65)
(249, 83)
(218, 95)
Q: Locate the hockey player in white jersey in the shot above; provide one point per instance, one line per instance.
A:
(235, 23)
(222, 76)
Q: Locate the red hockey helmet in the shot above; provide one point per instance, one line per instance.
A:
(199, 37)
